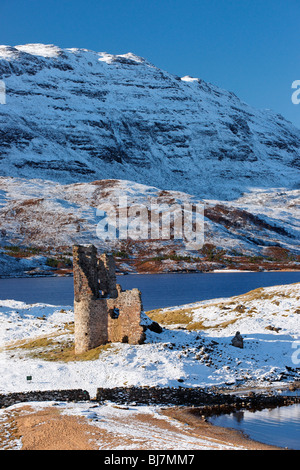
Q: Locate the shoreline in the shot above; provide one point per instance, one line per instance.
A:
(50, 428)
(229, 435)
(92, 425)
(217, 271)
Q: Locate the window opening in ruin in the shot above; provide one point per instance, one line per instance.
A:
(114, 313)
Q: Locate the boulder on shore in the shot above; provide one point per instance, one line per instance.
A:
(237, 341)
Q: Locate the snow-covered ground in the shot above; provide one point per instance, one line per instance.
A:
(196, 351)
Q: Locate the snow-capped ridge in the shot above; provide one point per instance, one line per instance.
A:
(122, 59)
(44, 50)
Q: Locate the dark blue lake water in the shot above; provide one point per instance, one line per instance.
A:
(158, 290)
(279, 427)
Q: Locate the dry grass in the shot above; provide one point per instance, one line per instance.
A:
(184, 317)
(54, 347)
(171, 317)
(263, 294)
(239, 305)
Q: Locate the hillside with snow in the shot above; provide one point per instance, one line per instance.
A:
(257, 231)
(194, 349)
(74, 115)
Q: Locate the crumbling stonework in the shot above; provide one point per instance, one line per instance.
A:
(103, 311)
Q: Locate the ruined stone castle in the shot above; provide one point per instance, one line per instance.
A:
(103, 311)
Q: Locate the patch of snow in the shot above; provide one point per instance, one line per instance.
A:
(187, 78)
(44, 50)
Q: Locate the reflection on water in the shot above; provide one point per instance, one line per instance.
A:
(279, 426)
(239, 416)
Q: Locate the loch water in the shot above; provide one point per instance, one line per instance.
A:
(158, 290)
(278, 427)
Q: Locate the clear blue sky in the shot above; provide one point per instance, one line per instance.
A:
(250, 47)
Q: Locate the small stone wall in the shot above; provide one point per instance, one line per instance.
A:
(202, 402)
(48, 395)
(159, 396)
(210, 403)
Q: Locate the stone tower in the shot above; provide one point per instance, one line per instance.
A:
(103, 311)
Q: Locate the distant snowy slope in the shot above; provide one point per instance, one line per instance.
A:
(44, 213)
(75, 115)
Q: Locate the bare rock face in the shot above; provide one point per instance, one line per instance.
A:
(237, 341)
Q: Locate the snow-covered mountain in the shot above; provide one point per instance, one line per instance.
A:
(74, 115)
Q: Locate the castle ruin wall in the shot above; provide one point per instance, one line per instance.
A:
(104, 313)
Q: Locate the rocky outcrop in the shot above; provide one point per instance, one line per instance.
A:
(238, 340)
